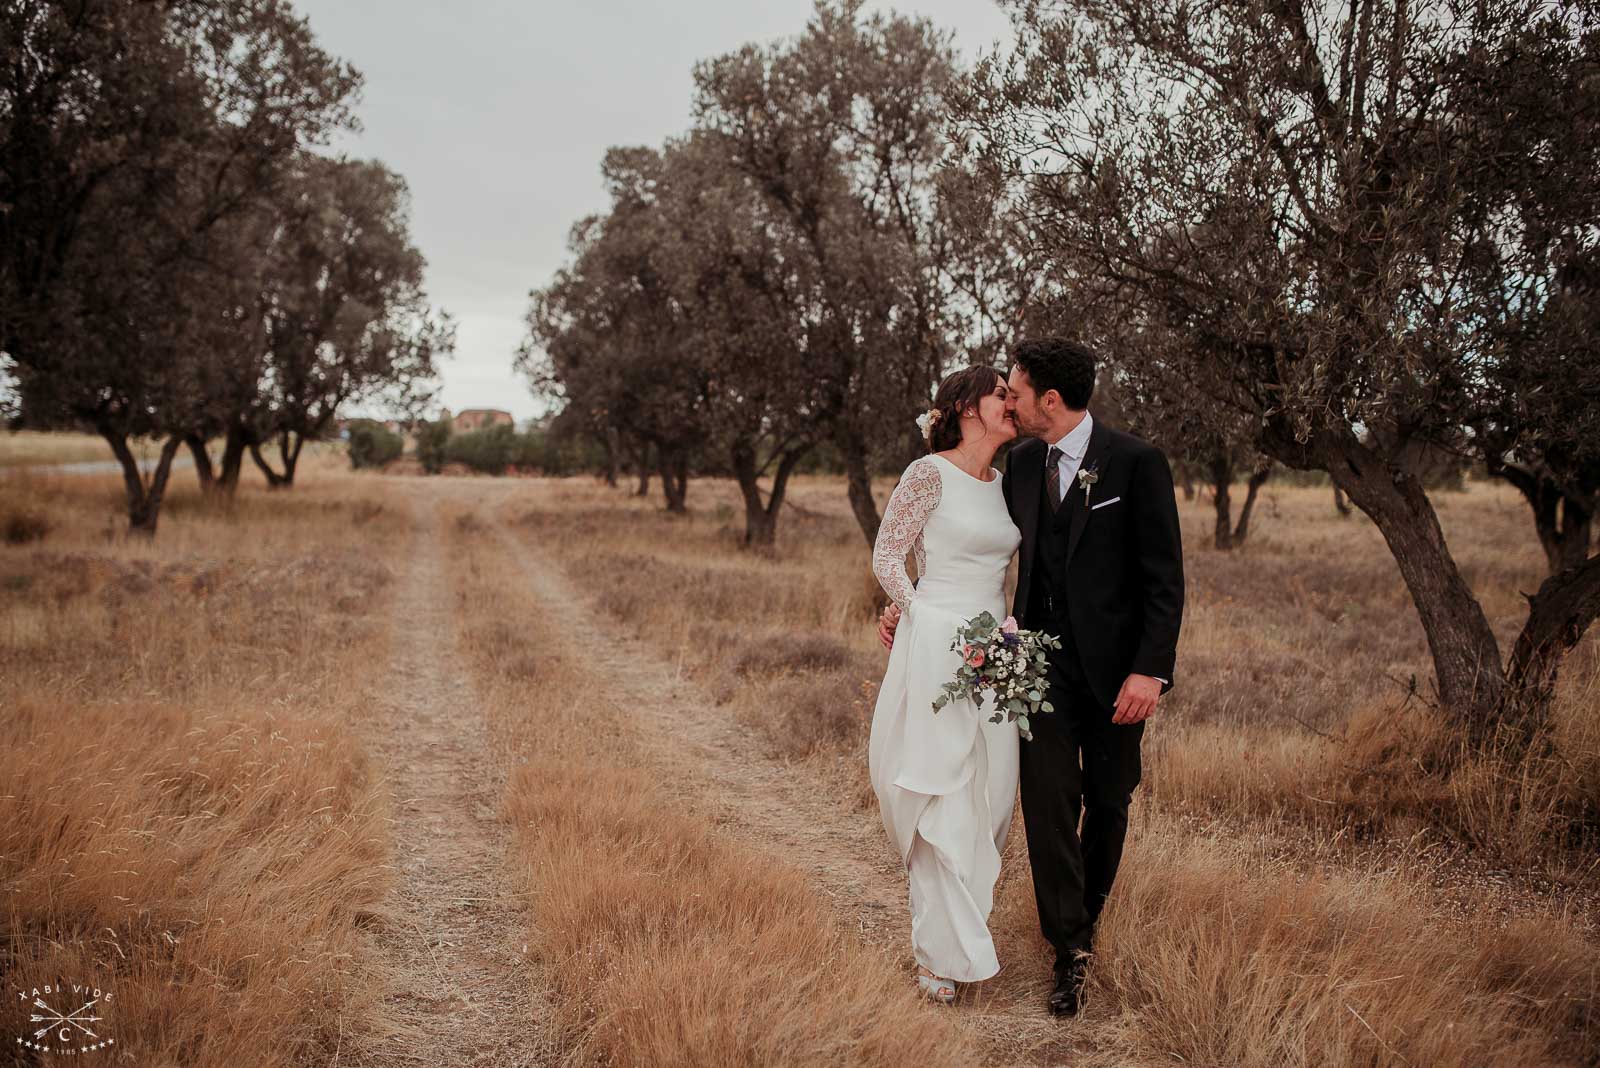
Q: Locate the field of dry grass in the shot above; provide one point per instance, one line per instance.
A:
(1302, 887)
(204, 810)
(188, 822)
(26, 448)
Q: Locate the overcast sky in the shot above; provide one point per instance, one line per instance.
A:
(497, 113)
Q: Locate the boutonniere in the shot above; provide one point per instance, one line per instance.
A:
(1087, 477)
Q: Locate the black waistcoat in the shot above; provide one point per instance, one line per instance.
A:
(1047, 597)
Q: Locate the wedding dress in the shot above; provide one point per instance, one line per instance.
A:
(946, 781)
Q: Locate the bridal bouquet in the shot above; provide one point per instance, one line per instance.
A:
(1000, 657)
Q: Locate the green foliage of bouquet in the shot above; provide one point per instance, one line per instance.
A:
(1000, 657)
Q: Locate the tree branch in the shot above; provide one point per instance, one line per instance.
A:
(1558, 615)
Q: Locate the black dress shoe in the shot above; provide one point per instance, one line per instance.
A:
(1067, 996)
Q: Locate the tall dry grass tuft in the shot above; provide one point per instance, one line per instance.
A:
(206, 869)
(665, 942)
(1396, 771)
(669, 945)
(185, 816)
(1213, 957)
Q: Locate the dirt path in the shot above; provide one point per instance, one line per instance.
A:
(714, 764)
(450, 937)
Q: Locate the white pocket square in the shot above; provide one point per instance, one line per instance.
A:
(1103, 504)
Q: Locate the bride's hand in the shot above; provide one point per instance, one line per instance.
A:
(887, 622)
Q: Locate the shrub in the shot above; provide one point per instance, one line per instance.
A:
(21, 527)
(373, 444)
(490, 450)
(433, 439)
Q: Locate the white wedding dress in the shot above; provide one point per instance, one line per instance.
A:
(946, 781)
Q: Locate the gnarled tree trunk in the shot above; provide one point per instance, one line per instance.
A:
(761, 517)
(1466, 655)
(1258, 478)
(1221, 483)
(858, 480)
(641, 465)
(144, 496)
(233, 447)
(202, 463)
(674, 471)
(1563, 519)
(611, 441)
(1228, 535)
(289, 445)
(1565, 606)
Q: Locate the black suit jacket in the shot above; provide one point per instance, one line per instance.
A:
(1124, 555)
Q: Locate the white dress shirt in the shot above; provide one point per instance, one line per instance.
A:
(1073, 446)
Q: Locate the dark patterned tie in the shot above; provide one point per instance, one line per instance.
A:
(1052, 476)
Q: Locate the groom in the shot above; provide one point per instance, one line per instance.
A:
(1101, 567)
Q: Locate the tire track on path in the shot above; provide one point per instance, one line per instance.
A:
(450, 937)
(711, 762)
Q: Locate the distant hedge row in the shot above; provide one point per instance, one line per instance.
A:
(492, 450)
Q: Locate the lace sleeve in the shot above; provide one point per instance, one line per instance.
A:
(912, 501)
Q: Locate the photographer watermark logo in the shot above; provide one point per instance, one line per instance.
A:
(66, 1018)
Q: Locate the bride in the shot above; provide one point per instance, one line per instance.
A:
(946, 781)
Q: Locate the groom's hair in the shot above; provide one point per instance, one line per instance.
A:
(1060, 364)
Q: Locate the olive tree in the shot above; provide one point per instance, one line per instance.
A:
(1320, 196)
(129, 134)
(841, 131)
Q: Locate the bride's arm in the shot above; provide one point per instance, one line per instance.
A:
(912, 501)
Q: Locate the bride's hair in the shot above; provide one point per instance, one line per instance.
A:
(958, 392)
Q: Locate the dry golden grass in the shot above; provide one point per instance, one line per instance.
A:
(1400, 772)
(1213, 956)
(206, 868)
(185, 818)
(1263, 917)
(187, 811)
(1287, 704)
(23, 448)
(779, 640)
(666, 943)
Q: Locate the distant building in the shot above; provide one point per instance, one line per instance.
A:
(470, 419)
(341, 427)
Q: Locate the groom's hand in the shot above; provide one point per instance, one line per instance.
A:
(887, 622)
(1137, 699)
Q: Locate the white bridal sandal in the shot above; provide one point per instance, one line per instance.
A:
(935, 987)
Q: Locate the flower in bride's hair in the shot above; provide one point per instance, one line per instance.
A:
(925, 423)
